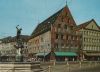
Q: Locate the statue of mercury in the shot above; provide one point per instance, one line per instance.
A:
(18, 32)
(18, 45)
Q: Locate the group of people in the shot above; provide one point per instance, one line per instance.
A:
(33, 59)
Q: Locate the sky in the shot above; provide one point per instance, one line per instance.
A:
(29, 13)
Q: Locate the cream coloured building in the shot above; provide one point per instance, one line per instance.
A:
(40, 43)
(7, 49)
(90, 40)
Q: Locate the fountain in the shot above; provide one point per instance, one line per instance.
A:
(19, 65)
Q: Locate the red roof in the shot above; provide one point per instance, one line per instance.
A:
(46, 24)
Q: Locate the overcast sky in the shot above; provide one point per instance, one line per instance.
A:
(29, 13)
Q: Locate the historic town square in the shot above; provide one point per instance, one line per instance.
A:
(49, 36)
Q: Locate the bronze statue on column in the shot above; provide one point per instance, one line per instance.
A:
(19, 45)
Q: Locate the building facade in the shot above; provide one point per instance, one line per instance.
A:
(40, 43)
(7, 49)
(56, 36)
(90, 40)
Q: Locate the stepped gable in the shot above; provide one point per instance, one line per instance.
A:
(46, 24)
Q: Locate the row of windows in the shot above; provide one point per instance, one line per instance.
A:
(92, 48)
(8, 52)
(13, 51)
(65, 45)
(93, 33)
(37, 41)
(9, 44)
(61, 36)
(91, 40)
(63, 17)
(42, 46)
(37, 49)
(65, 26)
(91, 45)
(25, 51)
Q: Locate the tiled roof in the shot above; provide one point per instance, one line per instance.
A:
(83, 25)
(13, 39)
(24, 37)
(45, 25)
(6, 39)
